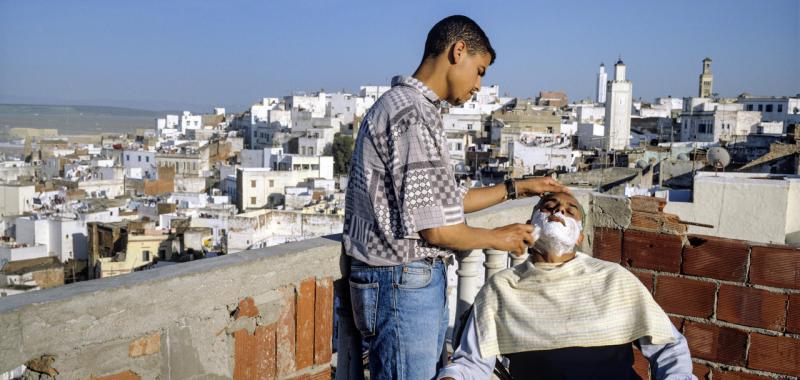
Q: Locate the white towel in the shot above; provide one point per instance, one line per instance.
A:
(585, 302)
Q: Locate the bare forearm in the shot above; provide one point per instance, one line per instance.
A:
(480, 198)
(460, 237)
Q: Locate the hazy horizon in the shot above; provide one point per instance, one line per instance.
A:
(196, 55)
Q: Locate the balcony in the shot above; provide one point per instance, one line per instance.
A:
(268, 313)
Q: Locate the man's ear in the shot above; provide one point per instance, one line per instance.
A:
(457, 52)
(580, 239)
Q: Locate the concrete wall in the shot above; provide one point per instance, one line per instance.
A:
(202, 321)
(731, 203)
(11, 253)
(793, 214)
(16, 199)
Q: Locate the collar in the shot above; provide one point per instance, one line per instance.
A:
(409, 81)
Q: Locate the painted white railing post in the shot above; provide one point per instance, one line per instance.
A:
(468, 281)
(495, 261)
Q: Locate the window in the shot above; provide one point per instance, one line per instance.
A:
(469, 126)
(769, 107)
(145, 255)
(147, 159)
(252, 200)
(760, 108)
(780, 107)
(749, 107)
(140, 158)
(272, 183)
(127, 157)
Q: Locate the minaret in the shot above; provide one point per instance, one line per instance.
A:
(618, 110)
(602, 78)
(706, 80)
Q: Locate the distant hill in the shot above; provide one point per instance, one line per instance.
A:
(77, 119)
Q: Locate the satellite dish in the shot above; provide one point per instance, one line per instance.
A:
(683, 157)
(642, 164)
(718, 157)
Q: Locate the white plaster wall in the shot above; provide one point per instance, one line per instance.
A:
(738, 208)
(22, 253)
(793, 214)
(16, 200)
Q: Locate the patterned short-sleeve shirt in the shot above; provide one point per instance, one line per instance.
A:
(401, 180)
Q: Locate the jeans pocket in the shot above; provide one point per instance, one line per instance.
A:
(364, 298)
(415, 276)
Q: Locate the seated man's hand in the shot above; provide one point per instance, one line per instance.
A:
(514, 238)
(535, 186)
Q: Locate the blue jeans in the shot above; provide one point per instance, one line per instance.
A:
(401, 312)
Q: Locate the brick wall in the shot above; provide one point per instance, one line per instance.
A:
(737, 303)
(297, 344)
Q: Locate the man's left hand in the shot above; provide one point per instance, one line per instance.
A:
(536, 186)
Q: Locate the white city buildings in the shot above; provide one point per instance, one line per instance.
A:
(784, 109)
(704, 120)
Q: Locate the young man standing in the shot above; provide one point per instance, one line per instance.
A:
(405, 213)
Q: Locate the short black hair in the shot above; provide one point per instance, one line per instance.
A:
(452, 29)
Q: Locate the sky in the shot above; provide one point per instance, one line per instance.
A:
(182, 54)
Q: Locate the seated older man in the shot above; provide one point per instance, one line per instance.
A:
(566, 315)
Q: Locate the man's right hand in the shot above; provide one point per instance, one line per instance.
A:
(514, 238)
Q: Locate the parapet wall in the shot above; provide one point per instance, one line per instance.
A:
(205, 319)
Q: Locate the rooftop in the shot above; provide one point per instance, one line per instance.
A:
(268, 313)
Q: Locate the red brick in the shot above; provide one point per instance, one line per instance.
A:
(677, 322)
(654, 251)
(646, 279)
(304, 351)
(779, 354)
(647, 204)
(685, 296)
(713, 257)
(646, 221)
(775, 266)
(254, 355)
(641, 365)
(732, 375)
(607, 244)
(323, 321)
(147, 345)
(286, 333)
(127, 375)
(247, 308)
(716, 343)
(751, 307)
(793, 321)
(700, 371)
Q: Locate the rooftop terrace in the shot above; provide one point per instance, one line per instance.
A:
(268, 313)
